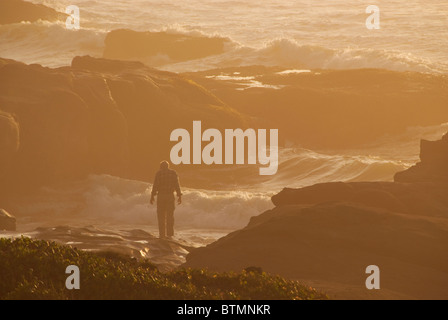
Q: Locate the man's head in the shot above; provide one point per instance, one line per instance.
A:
(164, 165)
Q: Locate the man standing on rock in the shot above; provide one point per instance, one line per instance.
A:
(165, 184)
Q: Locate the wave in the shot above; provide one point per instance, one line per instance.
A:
(52, 45)
(48, 43)
(107, 213)
(301, 167)
(406, 145)
(289, 53)
(111, 197)
(104, 199)
(379, 161)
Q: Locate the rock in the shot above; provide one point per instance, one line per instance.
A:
(333, 109)
(9, 141)
(329, 246)
(157, 48)
(97, 116)
(428, 199)
(15, 11)
(328, 234)
(315, 194)
(7, 221)
(433, 166)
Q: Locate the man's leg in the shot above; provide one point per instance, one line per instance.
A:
(161, 217)
(170, 221)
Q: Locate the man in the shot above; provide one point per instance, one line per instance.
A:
(165, 183)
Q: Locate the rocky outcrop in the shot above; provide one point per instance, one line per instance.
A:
(97, 116)
(333, 109)
(328, 234)
(9, 141)
(433, 165)
(330, 246)
(158, 48)
(14, 11)
(425, 199)
(7, 221)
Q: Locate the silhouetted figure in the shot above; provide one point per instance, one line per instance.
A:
(166, 183)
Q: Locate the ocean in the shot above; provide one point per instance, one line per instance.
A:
(324, 34)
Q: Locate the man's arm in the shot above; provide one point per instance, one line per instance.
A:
(177, 188)
(155, 188)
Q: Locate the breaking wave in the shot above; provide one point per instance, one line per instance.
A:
(50, 44)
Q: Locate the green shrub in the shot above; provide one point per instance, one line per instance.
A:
(32, 269)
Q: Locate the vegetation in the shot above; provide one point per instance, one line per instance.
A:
(31, 269)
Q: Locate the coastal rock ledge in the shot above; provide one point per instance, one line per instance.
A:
(7, 221)
(433, 165)
(326, 235)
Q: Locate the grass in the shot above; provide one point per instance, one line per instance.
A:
(35, 269)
